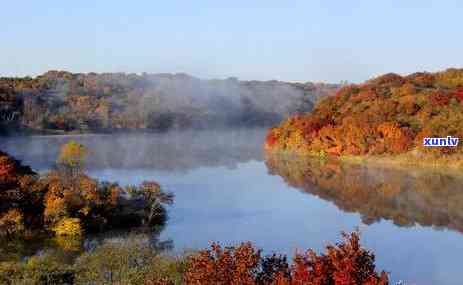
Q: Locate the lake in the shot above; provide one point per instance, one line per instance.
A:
(226, 190)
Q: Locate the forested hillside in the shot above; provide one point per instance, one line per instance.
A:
(60, 101)
(390, 114)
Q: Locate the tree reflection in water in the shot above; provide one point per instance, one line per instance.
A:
(174, 152)
(407, 198)
(66, 249)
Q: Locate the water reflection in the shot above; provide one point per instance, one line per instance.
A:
(405, 197)
(66, 248)
(173, 152)
(223, 192)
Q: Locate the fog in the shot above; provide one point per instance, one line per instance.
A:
(228, 98)
(158, 101)
(175, 151)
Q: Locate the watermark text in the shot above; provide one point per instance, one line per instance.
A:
(448, 141)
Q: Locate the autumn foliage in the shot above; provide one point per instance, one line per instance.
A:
(135, 260)
(345, 263)
(60, 101)
(390, 114)
(67, 202)
(17, 196)
(224, 265)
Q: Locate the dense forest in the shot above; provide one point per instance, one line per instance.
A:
(390, 114)
(60, 101)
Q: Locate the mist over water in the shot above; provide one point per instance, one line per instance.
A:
(226, 190)
(175, 151)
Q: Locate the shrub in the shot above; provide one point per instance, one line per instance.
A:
(227, 265)
(274, 267)
(133, 260)
(10, 272)
(46, 269)
(344, 263)
(69, 243)
(68, 227)
(11, 222)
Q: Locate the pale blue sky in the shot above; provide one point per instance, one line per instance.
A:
(287, 40)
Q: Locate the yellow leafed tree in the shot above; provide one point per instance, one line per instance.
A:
(72, 155)
(68, 227)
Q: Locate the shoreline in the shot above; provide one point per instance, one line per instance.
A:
(407, 161)
(60, 133)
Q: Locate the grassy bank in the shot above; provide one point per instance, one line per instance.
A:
(119, 260)
(453, 164)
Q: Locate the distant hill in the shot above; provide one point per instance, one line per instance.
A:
(62, 102)
(390, 114)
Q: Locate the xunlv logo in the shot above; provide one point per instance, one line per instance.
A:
(448, 141)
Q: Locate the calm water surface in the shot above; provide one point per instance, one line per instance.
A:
(226, 191)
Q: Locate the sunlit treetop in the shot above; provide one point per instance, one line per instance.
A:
(73, 154)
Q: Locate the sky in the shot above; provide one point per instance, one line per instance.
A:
(306, 40)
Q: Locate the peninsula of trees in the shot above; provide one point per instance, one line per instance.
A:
(66, 202)
(63, 102)
(389, 116)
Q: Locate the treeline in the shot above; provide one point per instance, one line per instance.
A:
(65, 202)
(390, 114)
(136, 261)
(61, 101)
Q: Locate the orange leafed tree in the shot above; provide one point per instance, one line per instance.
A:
(345, 263)
(227, 266)
(385, 115)
(12, 222)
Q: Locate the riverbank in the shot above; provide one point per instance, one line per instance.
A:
(453, 164)
(450, 164)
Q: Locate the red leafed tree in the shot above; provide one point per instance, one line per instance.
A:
(365, 96)
(459, 94)
(397, 140)
(439, 98)
(271, 139)
(227, 266)
(7, 169)
(345, 263)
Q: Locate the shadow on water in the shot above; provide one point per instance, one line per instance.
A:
(66, 249)
(406, 198)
